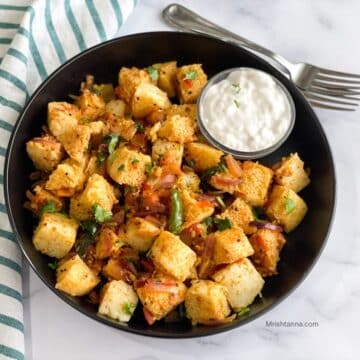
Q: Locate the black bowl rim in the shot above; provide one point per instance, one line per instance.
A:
(145, 332)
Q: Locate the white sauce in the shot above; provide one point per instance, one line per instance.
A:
(247, 111)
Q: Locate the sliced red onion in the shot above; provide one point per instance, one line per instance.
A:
(225, 181)
(266, 225)
(149, 317)
(166, 182)
(119, 217)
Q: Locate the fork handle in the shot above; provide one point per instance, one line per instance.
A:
(182, 18)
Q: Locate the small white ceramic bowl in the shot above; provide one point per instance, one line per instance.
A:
(236, 153)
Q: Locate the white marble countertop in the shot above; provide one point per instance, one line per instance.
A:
(324, 32)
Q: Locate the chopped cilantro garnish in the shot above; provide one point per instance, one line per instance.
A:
(289, 205)
(49, 207)
(154, 73)
(237, 103)
(220, 201)
(236, 87)
(53, 265)
(129, 308)
(258, 213)
(223, 224)
(84, 120)
(121, 167)
(208, 221)
(149, 167)
(243, 312)
(191, 75)
(100, 214)
(111, 140)
(191, 162)
(89, 226)
(134, 160)
(100, 158)
(95, 91)
(139, 127)
(84, 241)
(212, 171)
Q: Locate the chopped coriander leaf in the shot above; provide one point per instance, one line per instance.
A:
(258, 213)
(191, 163)
(223, 224)
(100, 214)
(53, 265)
(289, 205)
(119, 243)
(212, 171)
(95, 91)
(89, 226)
(129, 308)
(139, 127)
(154, 73)
(243, 312)
(84, 120)
(134, 160)
(100, 158)
(208, 221)
(49, 207)
(111, 158)
(121, 167)
(220, 201)
(83, 243)
(191, 75)
(111, 140)
(236, 87)
(237, 103)
(149, 167)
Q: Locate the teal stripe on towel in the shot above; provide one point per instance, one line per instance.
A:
(18, 54)
(13, 7)
(8, 291)
(13, 79)
(2, 151)
(118, 13)
(11, 104)
(96, 19)
(7, 235)
(10, 321)
(5, 25)
(6, 126)
(11, 353)
(5, 41)
(74, 25)
(10, 264)
(53, 35)
(3, 208)
(34, 50)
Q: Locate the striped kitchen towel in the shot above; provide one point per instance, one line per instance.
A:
(36, 37)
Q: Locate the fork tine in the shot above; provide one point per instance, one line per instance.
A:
(324, 106)
(343, 88)
(345, 94)
(337, 73)
(315, 97)
(336, 79)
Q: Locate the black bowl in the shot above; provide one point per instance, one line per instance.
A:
(104, 61)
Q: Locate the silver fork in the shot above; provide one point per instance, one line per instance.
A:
(323, 88)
